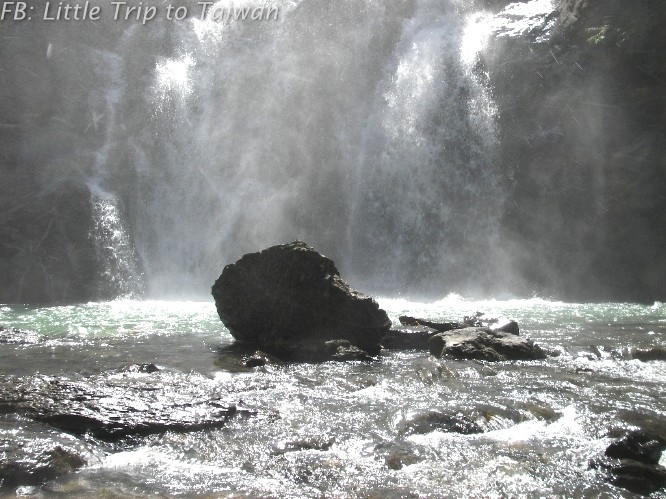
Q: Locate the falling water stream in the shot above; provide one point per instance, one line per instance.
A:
(365, 128)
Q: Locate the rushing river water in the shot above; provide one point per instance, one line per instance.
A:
(341, 429)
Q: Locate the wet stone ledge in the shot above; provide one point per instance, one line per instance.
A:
(115, 405)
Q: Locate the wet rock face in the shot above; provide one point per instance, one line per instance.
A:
(289, 294)
(639, 445)
(632, 462)
(46, 254)
(484, 344)
(582, 112)
(117, 405)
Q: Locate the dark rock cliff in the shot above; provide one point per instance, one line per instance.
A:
(582, 122)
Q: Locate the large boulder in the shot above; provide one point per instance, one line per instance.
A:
(290, 294)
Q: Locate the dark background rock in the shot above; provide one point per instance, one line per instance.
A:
(582, 118)
(581, 153)
(46, 253)
(408, 339)
(289, 294)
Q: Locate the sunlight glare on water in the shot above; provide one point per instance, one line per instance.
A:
(341, 429)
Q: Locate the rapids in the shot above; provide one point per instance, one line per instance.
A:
(337, 429)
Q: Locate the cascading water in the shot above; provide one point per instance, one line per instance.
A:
(364, 128)
(119, 269)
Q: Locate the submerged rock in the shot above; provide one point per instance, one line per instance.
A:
(27, 468)
(31, 455)
(112, 406)
(640, 445)
(440, 421)
(646, 355)
(289, 294)
(634, 462)
(484, 344)
(18, 336)
(399, 454)
(637, 477)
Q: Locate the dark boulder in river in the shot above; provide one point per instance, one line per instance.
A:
(290, 294)
(484, 344)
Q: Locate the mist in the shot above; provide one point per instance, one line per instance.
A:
(427, 147)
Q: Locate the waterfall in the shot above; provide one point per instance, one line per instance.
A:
(365, 128)
(119, 269)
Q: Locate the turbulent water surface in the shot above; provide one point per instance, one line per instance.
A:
(339, 429)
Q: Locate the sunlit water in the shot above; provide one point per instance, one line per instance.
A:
(335, 429)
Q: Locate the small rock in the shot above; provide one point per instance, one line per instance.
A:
(148, 368)
(646, 355)
(501, 324)
(510, 327)
(343, 350)
(484, 344)
(441, 421)
(259, 359)
(639, 445)
(637, 477)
